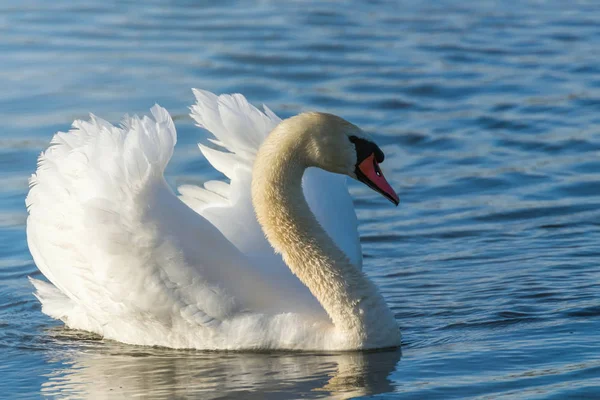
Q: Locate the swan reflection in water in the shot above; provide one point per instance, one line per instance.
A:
(107, 369)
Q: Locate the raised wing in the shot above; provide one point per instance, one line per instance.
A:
(123, 252)
(239, 129)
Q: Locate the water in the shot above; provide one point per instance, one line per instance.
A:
(489, 114)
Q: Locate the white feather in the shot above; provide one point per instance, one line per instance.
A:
(130, 261)
(242, 128)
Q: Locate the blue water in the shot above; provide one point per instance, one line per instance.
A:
(489, 114)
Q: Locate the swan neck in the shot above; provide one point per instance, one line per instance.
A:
(351, 300)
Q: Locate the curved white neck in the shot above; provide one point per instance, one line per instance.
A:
(353, 303)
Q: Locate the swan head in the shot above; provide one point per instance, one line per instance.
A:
(339, 146)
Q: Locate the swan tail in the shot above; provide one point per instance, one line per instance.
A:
(58, 306)
(54, 302)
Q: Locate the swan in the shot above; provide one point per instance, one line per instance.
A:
(270, 260)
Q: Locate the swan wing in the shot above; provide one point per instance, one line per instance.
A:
(122, 252)
(239, 129)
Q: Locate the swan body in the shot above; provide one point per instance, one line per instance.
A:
(270, 260)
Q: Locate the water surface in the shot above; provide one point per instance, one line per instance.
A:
(489, 114)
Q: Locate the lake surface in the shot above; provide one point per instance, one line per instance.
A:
(489, 114)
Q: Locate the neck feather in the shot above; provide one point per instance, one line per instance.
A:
(352, 301)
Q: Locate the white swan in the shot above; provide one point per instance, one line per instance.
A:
(131, 261)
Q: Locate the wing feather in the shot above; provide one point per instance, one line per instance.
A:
(123, 253)
(240, 128)
(129, 260)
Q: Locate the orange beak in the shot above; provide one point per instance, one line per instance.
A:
(369, 173)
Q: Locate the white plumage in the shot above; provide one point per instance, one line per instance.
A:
(131, 261)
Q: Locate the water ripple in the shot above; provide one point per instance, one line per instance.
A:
(489, 118)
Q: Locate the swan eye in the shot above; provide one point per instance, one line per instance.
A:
(377, 169)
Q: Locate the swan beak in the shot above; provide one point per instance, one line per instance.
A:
(369, 173)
